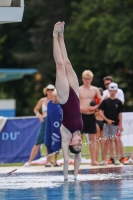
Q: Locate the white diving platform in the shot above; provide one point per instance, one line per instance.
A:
(11, 11)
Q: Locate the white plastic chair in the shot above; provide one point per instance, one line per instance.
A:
(11, 11)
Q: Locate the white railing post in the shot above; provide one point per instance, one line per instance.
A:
(21, 3)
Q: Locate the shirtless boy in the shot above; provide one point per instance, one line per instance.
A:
(87, 93)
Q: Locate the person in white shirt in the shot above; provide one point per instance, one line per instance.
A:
(119, 95)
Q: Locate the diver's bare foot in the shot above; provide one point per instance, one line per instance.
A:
(61, 28)
(94, 163)
(57, 28)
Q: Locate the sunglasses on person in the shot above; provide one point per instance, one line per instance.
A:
(106, 84)
(50, 89)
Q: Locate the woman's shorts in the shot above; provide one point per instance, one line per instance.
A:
(41, 133)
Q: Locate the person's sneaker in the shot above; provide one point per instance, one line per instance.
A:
(48, 165)
(111, 161)
(128, 162)
(104, 162)
(57, 165)
(27, 164)
(117, 162)
(123, 160)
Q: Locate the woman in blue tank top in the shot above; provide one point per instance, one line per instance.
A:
(68, 96)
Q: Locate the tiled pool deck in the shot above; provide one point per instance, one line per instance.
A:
(42, 168)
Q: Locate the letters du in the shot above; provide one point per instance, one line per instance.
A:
(11, 135)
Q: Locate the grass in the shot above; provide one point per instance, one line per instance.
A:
(10, 164)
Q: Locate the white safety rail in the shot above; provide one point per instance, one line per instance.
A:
(127, 134)
(11, 11)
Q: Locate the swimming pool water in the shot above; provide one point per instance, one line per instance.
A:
(99, 184)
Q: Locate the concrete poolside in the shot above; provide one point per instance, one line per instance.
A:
(42, 168)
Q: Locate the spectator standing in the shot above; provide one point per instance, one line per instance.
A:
(87, 93)
(100, 133)
(111, 111)
(41, 104)
(119, 95)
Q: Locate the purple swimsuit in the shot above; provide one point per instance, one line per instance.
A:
(72, 119)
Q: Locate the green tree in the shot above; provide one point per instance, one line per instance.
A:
(99, 38)
(100, 35)
(29, 45)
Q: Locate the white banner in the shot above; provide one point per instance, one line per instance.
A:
(127, 134)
